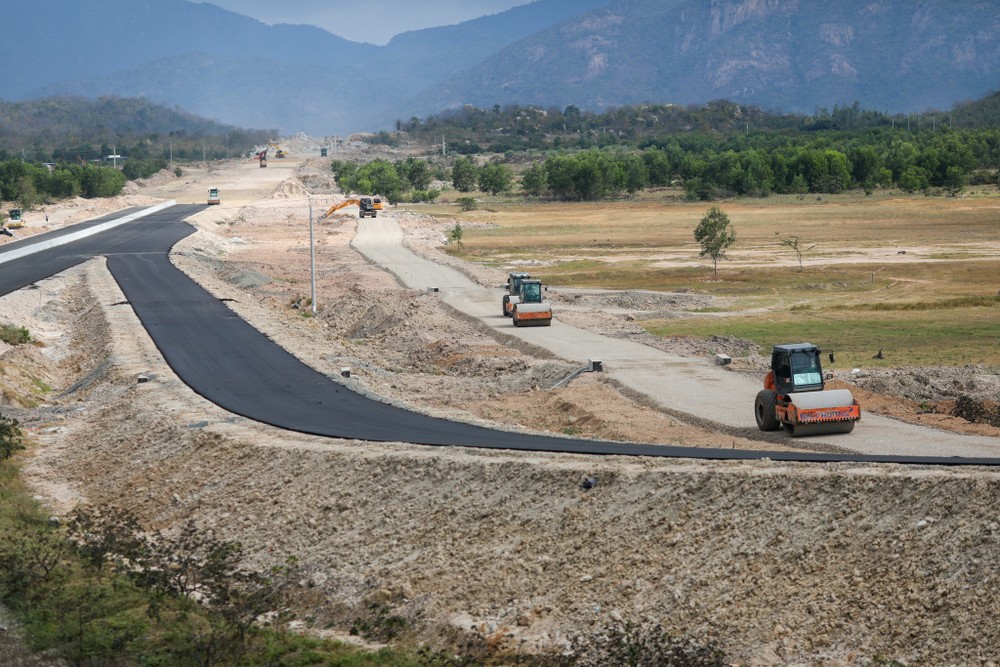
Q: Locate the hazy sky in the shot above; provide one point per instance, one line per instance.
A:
(381, 18)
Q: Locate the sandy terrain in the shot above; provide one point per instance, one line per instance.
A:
(783, 564)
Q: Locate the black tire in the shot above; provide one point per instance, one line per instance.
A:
(516, 322)
(506, 300)
(374, 214)
(764, 410)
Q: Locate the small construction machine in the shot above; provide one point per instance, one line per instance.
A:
(16, 221)
(795, 397)
(214, 197)
(531, 310)
(377, 202)
(513, 291)
(366, 207)
(262, 156)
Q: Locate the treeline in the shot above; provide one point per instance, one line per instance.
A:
(517, 128)
(80, 130)
(758, 168)
(408, 179)
(29, 185)
(762, 164)
(707, 168)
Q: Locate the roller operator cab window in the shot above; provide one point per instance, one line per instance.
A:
(532, 292)
(805, 369)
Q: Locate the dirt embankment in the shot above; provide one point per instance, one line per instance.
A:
(784, 564)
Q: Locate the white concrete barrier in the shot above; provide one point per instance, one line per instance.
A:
(32, 248)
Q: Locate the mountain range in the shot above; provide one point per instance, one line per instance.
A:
(785, 55)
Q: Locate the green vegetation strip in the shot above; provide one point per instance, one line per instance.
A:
(937, 337)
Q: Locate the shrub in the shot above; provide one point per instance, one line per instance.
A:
(14, 335)
(425, 195)
(976, 411)
(10, 437)
(467, 203)
(635, 645)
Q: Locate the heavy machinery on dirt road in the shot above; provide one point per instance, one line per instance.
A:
(262, 157)
(214, 197)
(16, 221)
(513, 293)
(795, 396)
(366, 207)
(531, 310)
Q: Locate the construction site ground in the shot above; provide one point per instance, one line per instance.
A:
(831, 564)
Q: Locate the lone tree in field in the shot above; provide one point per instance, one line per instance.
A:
(715, 235)
(793, 243)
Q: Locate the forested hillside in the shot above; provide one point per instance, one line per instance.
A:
(75, 136)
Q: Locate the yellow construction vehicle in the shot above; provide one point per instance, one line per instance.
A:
(795, 398)
(366, 207)
(16, 221)
(377, 202)
(531, 310)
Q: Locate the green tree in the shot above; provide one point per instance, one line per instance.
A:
(715, 235)
(913, 178)
(101, 182)
(657, 166)
(27, 196)
(417, 172)
(533, 181)
(379, 177)
(464, 174)
(954, 180)
(10, 437)
(495, 178)
(636, 173)
(456, 235)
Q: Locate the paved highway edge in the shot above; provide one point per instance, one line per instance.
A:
(31, 248)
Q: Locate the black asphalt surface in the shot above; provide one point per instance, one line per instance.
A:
(233, 365)
(20, 273)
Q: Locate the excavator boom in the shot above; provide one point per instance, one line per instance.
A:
(364, 205)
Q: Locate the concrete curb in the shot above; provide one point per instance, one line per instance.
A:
(32, 248)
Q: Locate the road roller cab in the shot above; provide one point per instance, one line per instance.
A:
(795, 397)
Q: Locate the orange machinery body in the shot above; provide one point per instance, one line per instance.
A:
(789, 413)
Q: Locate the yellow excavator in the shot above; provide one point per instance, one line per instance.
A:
(366, 207)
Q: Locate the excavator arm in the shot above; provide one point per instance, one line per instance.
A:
(336, 207)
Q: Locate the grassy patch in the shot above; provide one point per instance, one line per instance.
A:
(947, 337)
(14, 335)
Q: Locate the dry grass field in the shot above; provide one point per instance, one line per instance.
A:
(916, 276)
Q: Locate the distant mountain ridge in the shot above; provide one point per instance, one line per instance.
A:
(790, 55)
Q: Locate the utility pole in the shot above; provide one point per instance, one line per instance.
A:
(312, 257)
